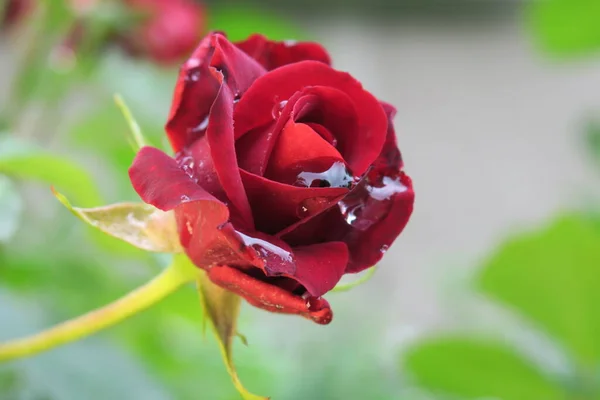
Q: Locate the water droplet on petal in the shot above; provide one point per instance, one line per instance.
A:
(265, 247)
(384, 248)
(302, 211)
(184, 198)
(336, 176)
(201, 126)
(277, 108)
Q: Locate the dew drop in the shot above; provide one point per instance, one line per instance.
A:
(184, 198)
(384, 248)
(193, 76)
(277, 108)
(265, 247)
(201, 126)
(390, 187)
(302, 211)
(336, 176)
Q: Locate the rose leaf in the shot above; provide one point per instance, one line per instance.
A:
(138, 224)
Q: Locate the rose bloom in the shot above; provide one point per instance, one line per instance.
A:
(168, 31)
(286, 173)
(14, 12)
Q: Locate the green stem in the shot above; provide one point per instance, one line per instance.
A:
(157, 289)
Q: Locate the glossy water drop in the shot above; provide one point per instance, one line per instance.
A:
(265, 247)
(302, 211)
(384, 248)
(390, 187)
(201, 126)
(336, 176)
(193, 75)
(184, 198)
(277, 108)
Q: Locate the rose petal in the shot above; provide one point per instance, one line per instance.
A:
(269, 297)
(299, 147)
(370, 217)
(202, 223)
(256, 106)
(271, 54)
(285, 204)
(222, 147)
(198, 84)
(319, 267)
(159, 181)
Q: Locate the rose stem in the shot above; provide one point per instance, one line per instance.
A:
(167, 282)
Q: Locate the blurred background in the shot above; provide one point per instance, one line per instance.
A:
(492, 290)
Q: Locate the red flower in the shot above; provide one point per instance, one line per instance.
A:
(14, 11)
(169, 30)
(286, 174)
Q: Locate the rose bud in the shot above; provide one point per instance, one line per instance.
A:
(14, 12)
(168, 30)
(286, 175)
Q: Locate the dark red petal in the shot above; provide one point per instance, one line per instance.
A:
(370, 217)
(254, 148)
(195, 91)
(299, 147)
(276, 205)
(198, 84)
(269, 297)
(222, 148)
(201, 219)
(159, 181)
(271, 54)
(319, 267)
(256, 106)
(382, 220)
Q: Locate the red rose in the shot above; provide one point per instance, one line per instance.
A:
(286, 174)
(169, 30)
(14, 11)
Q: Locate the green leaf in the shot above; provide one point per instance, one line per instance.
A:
(552, 277)
(344, 287)
(565, 27)
(221, 308)
(26, 162)
(10, 209)
(239, 22)
(476, 369)
(138, 224)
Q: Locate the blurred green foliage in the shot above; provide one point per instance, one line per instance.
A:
(565, 27)
(551, 277)
(476, 368)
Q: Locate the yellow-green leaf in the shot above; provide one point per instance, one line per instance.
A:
(221, 309)
(139, 224)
